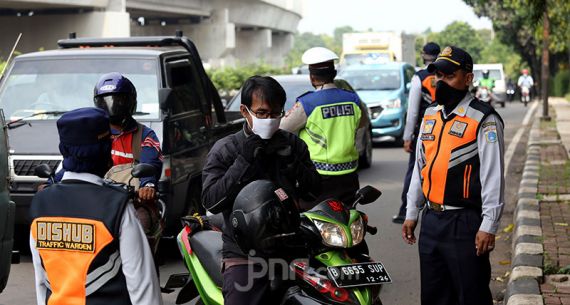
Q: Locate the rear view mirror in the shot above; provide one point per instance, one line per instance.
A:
(164, 98)
(367, 194)
(143, 170)
(43, 171)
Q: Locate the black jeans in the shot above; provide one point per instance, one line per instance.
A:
(408, 179)
(451, 271)
(241, 287)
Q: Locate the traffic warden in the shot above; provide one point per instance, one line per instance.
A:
(327, 120)
(459, 171)
(87, 245)
(260, 151)
(422, 95)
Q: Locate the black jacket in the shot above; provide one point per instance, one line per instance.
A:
(285, 161)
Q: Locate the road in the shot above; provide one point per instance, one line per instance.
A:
(400, 259)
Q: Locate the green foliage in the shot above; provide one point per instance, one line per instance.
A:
(232, 78)
(2, 65)
(561, 83)
(462, 35)
(497, 52)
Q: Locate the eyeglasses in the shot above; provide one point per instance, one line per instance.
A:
(266, 114)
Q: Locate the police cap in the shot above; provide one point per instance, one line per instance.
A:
(452, 59)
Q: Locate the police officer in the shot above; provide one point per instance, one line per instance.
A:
(87, 245)
(422, 95)
(459, 171)
(260, 151)
(327, 120)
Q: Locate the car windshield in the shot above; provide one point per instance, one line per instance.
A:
(366, 58)
(372, 79)
(493, 73)
(59, 85)
(292, 89)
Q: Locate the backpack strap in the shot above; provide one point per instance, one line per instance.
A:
(136, 143)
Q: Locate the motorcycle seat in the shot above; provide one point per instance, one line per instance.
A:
(208, 248)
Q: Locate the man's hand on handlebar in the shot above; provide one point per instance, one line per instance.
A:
(147, 193)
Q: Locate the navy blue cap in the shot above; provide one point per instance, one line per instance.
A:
(84, 126)
(450, 60)
(431, 48)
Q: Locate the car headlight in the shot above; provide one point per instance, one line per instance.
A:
(357, 231)
(395, 103)
(375, 112)
(333, 235)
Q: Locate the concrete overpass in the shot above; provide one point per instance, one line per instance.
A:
(226, 32)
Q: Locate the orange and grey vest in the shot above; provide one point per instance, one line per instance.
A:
(427, 94)
(76, 227)
(451, 172)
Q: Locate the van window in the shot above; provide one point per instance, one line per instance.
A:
(186, 87)
(34, 86)
(493, 73)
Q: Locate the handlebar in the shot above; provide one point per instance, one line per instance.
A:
(372, 230)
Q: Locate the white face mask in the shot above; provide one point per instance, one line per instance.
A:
(264, 128)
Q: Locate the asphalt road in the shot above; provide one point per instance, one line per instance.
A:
(400, 259)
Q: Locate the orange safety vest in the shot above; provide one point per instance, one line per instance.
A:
(451, 172)
(76, 228)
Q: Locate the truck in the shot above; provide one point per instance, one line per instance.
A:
(175, 98)
(377, 47)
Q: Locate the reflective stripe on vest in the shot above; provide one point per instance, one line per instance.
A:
(330, 134)
(451, 171)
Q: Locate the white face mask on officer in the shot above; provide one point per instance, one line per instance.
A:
(264, 128)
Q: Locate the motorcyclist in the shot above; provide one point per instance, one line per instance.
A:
(525, 82)
(327, 120)
(260, 151)
(486, 82)
(511, 89)
(87, 245)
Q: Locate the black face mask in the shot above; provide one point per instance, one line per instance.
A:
(446, 95)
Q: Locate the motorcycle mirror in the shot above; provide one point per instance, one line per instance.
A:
(43, 171)
(143, 170)
(367, 194)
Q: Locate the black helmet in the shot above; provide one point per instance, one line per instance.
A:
(117, 95)
(262, 212)
(485, 73)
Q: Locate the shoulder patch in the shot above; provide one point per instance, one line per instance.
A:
(490, 133)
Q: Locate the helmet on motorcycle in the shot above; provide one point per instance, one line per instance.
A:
(117, 95)
(262, 212)
(485, 73)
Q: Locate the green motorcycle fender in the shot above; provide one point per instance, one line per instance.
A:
(337, 258)
(210, 293)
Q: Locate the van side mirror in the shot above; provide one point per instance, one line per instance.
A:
(143, 170)
(43, 171)
(164, 97)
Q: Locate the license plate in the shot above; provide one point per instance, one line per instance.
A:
(363, 274)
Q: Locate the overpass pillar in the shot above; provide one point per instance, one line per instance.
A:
(253, 45)
(282, 43)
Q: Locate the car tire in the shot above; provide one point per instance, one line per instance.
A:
(365, 160)
(399, 141)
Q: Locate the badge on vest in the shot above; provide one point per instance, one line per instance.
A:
(67, 236)
(458, 129)
(428, 126)
(427, 137)
(337, 111)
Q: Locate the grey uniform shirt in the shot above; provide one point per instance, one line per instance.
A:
(136, 263)
(414, 99)
(491, 157)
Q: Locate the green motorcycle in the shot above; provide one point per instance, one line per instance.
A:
(335, 269)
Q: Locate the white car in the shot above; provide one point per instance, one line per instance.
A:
(496, 73)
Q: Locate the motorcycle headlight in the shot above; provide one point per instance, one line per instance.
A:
(333, 235)
(395, 103)
(357, 231)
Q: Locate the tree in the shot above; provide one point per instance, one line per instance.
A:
(462, 35)
(497, 52)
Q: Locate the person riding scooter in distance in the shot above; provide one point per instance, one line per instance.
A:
(260, 151)
(485, 88)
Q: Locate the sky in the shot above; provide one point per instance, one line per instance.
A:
(411, 16)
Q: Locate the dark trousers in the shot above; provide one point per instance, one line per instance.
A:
(451, 271)
(341, 187)
(243, 287)
(407, 179)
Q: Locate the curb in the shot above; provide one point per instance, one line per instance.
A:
(527, 249)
